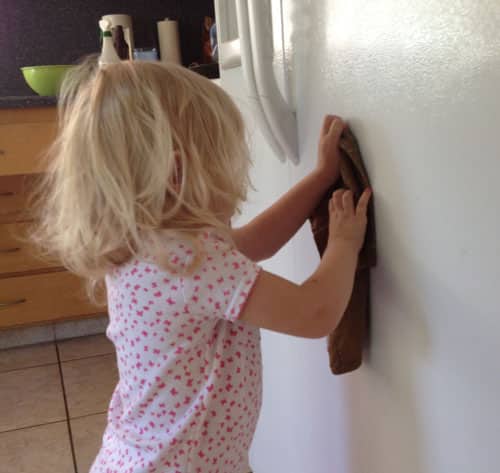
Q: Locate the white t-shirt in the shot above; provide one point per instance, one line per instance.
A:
(190, 374)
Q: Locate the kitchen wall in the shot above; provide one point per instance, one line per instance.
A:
(61, 32)
(418, 82)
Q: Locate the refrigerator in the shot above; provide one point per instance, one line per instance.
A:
(418, 83)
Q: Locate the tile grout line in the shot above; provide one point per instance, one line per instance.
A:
(60, 421)
(89, 415)
(28, 367)
(68, 423)
(86, 357)
(55, 362)
(32, 426)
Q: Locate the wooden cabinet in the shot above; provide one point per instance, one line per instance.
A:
(19, 155)
(13, 197)
(32, 290)
(24, 136)
(17, 253)
(42, 297)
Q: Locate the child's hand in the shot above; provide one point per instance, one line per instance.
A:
(328, 148)
(348, 224)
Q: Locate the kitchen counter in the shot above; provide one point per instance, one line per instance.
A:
(211, 71)
(27, 101)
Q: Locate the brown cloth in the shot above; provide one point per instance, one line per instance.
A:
(345, 343)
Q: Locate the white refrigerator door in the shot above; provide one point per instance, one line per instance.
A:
(418, 82)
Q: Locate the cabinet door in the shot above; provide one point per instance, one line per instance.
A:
(43, 298)
(22, 146)
(17, 253)
(14, 192)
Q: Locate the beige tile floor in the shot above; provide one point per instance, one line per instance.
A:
(53, 400)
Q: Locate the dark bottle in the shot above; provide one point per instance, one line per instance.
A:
(119, 42)
(206, 48)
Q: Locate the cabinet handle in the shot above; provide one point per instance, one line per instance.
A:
(6, 194)
(3, 305)
(10, 250)
(2, 152)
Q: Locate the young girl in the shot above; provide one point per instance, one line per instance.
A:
(149, 165)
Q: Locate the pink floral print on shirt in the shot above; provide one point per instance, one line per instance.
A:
(189, 392)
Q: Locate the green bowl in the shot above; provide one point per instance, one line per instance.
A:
(45, 80)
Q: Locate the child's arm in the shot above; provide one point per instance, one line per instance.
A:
(262, 237)
(314, 308)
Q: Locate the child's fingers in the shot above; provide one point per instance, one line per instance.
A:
(327, 121)
(348, 202)
(363, 202)
(336, 200)
(336, 128)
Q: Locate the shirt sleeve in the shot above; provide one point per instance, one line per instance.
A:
(221, 285)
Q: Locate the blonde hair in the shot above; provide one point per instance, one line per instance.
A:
(144, 151)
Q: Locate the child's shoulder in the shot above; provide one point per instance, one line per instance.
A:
(219, 254)
(213, 280)
(215, 243)
(177, 254)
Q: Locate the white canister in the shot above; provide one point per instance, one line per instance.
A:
(168, 40)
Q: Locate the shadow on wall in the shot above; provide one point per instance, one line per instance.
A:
(381, 398)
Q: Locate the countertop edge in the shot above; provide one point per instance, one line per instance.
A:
(28, 101)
